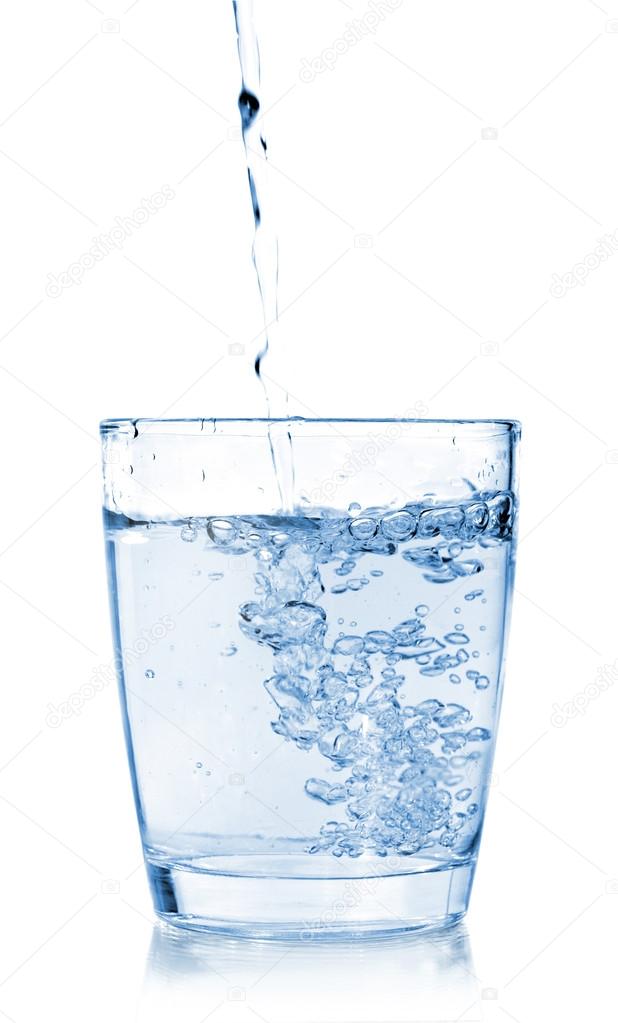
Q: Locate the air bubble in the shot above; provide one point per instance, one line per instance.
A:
(429, 707)
(456, 821)
(479, 735)
(446, 521)
(472, 567)
(222, 531)
(363, 528)
(457, 638)
(398, 525)
(279, 539)
(378, 639)
(324, 791)
(452, 715)
(452, 741)
(408, 632)
(349, 646)
(475, 519)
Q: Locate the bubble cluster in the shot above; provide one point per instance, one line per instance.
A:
(396, 768)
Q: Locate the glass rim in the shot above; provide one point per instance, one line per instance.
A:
(484, 427)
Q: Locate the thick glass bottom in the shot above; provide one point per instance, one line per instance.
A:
(263, 905)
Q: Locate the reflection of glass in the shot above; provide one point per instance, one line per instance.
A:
(311, 694)
(196, 976)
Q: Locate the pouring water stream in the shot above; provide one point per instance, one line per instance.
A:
(265, 244)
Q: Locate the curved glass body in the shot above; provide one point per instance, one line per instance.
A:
(310, 671)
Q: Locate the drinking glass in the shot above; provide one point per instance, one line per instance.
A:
(310, 663)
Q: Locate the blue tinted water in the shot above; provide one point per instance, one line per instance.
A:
(328, 685)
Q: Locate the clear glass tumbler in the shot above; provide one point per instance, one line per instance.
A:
(310, 667)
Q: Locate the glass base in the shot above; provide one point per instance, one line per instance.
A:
(310, 908)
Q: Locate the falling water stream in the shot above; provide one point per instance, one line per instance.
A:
(265, 242)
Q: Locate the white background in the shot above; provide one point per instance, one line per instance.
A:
(428, 187)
